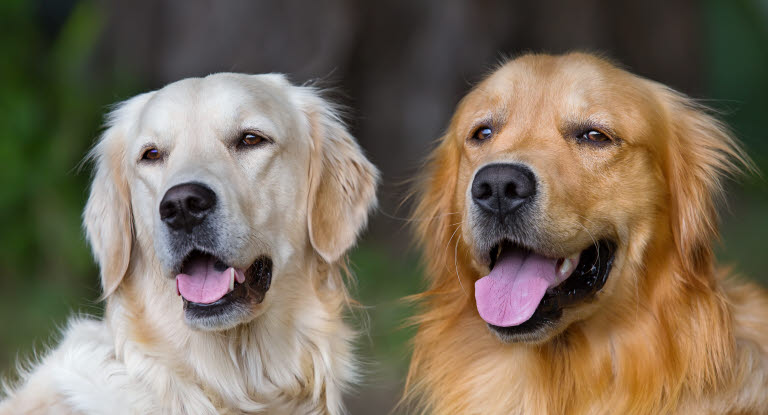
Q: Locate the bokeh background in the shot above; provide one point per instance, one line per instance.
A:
(401, 66)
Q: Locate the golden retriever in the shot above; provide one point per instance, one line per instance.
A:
(567, 218)
(220, 215)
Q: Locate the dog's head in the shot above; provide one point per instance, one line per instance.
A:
(216, 186)
(558, 179)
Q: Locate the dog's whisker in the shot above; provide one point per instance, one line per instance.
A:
(594, 241)
(458, 226)
(456, 265)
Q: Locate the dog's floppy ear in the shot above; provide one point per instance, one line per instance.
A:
(107, 217)
(702, 153)
(343, 182)
(435, 217)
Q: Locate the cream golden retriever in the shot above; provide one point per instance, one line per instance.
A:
(567, 218)
(220, 214)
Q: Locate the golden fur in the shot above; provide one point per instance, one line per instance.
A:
(302, 199)
(667, 334)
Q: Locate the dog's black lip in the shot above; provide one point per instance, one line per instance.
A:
(258, 279)
(587, 279)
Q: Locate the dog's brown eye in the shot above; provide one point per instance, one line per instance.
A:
(595, 136)
(482, 133)
(151, 154)
(251, 139)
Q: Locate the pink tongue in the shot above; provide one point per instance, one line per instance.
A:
(509, 295)
(202, 283)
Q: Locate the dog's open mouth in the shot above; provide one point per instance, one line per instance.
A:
(524, 285)
(206, 281)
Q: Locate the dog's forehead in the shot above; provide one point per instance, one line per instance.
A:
(547, 92)
(544, 80)
(220, 100)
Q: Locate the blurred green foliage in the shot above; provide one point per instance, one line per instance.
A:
(737, 85)
(51, 112)
(52, 105)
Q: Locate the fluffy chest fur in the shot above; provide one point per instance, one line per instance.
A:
(680, 358)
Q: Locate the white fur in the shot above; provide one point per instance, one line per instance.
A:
(293, 352)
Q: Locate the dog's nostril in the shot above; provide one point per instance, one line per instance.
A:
(483, 191)
(196, 204)
(510, 190)
(167, 210)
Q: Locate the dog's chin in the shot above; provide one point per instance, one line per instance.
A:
(242, 303)
(562, 304)
(217, 317)
(537, 330)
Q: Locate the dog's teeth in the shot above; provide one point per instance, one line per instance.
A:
(231, 279)
(566, 267)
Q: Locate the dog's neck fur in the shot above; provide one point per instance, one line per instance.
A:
(294, 358)
(671, 355)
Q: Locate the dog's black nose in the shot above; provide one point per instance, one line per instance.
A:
(186, 205)
(502, 188)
